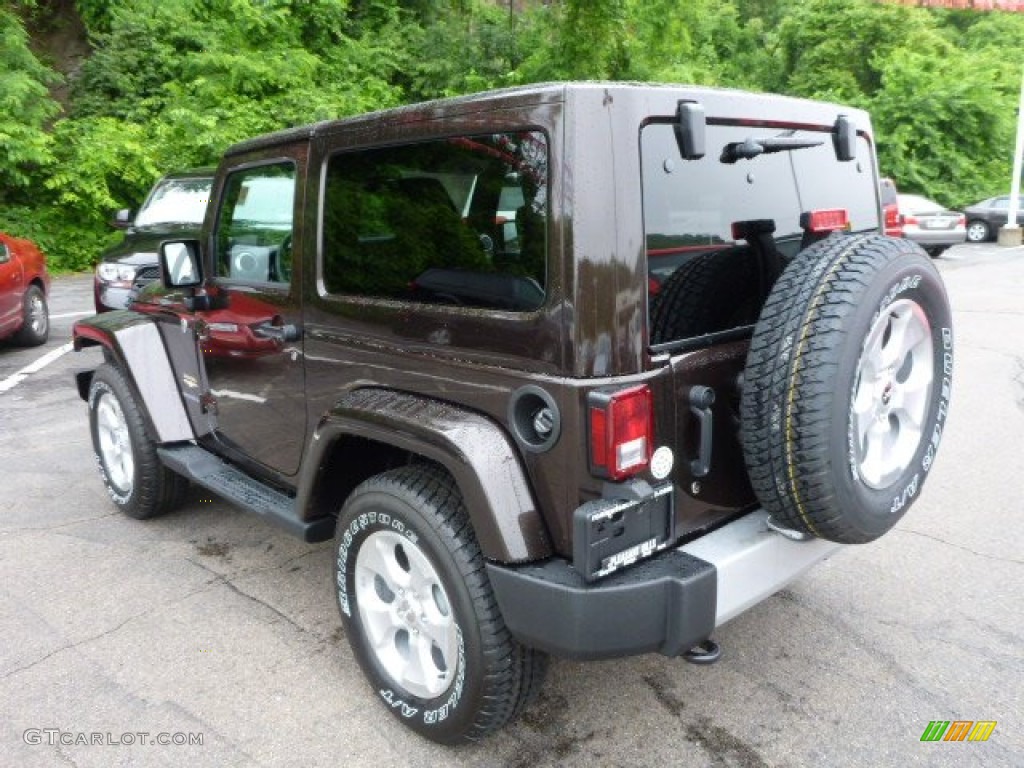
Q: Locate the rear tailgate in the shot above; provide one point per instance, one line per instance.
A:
(702, 500)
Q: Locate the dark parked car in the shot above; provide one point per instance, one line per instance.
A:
(175, 207)
(929, 224)
(24, 286)
(985, 218)
(518, 445)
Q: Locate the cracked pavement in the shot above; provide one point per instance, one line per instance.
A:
(210, 621)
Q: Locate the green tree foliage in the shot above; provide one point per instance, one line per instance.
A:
(941, 88)
(25, 107)
(952, 139)
(171, 83)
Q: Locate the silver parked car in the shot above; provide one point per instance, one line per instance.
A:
(932, 226)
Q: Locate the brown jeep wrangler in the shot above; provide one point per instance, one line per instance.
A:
(573, 369)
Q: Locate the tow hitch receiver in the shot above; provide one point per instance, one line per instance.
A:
(705, 653)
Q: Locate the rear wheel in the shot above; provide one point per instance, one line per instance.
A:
(978, 231)
(847, 386)
(419, 611)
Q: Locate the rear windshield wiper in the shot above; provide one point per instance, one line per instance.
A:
(751, 148)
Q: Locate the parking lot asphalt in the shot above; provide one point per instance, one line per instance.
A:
(207, 624)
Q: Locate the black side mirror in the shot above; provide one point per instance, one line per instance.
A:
(122, 219)
(844, 136)
(180, 266)
(690, 127)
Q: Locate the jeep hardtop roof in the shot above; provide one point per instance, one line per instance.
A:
(644, 98)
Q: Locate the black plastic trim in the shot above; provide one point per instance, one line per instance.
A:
(209, 471)
(666, 604)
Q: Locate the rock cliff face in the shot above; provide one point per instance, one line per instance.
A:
(59, 39)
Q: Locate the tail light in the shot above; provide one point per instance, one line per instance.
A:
(961, 220)
(911, 220)
(825, 220)
(621, 431)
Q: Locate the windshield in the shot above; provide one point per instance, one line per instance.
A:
(176, 201)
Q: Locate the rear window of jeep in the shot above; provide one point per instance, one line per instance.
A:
(460, 221)
(702, 218)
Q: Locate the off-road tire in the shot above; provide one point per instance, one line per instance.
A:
(495, 676)
(808, 360)
(152, 489)
(35, 329)
(712, 292)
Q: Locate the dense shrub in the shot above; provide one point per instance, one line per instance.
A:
(171, 83)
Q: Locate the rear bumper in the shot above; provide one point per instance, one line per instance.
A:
(930, 237)
(667, 604)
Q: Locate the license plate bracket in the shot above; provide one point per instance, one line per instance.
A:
(610, 534)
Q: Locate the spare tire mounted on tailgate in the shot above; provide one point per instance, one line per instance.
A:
(847, 386)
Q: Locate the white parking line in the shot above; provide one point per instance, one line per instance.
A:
(73, 314)
(16, 378)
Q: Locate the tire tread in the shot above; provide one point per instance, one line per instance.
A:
(513, 673)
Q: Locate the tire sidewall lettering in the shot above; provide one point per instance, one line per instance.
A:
(925, 290)
(945, 391)
(430, 713)
(98, 389)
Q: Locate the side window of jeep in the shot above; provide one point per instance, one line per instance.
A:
(717, 232)
(458, 221)
(254, 225)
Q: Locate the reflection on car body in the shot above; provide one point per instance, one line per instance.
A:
(174, 208)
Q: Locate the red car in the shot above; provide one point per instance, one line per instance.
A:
(24, 285)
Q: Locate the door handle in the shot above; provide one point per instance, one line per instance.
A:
(701, 400)
(280, 333)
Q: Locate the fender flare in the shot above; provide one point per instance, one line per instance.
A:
(132, 339)
(473, 448)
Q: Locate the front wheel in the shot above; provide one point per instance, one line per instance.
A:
(35, 328)
(419, 611)
(135, 479)
(978, 231)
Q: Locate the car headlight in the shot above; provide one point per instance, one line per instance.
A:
(110, 272)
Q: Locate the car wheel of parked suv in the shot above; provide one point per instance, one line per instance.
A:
(419, 612)
(36, 328)
(977, 231)
(131, 471)
(847, 386)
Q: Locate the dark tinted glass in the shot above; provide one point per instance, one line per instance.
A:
(459, 221)
(718, 233)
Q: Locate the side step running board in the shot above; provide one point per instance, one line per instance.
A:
(205, 469)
